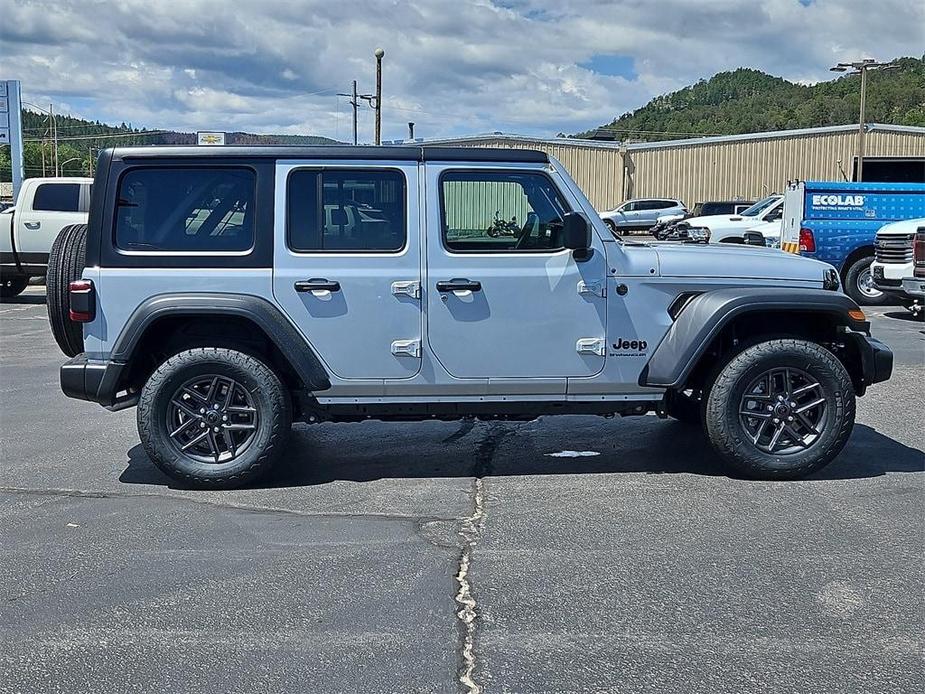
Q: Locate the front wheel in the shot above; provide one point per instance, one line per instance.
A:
(859, 284)
(781, 409)
(214, 417)
(613, 228)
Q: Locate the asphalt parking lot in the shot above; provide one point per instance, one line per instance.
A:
(403, 557)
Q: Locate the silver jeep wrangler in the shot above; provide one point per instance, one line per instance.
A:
(230, 291)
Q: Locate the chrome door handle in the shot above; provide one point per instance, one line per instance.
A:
(32, 225)
(317, 284)
(459, 285)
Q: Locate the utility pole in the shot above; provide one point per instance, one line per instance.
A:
(54, 134)
(354, 103)
(379, 53)
(411, 131)
(862, 67)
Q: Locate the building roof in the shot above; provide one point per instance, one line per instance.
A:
(689, 142)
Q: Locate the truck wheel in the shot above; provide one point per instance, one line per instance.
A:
(214, 417)
(859, 284)
(780, 409)
(12, 285)
(65, 264)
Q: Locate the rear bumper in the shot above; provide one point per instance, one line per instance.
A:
(96, 381)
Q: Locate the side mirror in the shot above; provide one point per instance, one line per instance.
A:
(576, 235)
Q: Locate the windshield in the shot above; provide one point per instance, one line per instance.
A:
(760, 206)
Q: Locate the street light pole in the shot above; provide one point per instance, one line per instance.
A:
(379, 53)
(861, 127)
(862, 67)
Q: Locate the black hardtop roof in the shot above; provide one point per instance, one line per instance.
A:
(387, 153)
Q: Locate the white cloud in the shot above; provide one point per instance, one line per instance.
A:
(453, 67)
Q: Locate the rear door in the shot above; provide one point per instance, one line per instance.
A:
(510, 307)
(347, 264)
(652, 209)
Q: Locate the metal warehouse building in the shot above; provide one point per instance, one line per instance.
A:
(718, 168)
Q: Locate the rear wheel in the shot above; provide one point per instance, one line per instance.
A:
(214, 417)
(66, 262)
(781, 409)
(12, 285)
(859, 284)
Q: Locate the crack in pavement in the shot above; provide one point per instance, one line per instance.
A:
(470, 532)
(93, 494)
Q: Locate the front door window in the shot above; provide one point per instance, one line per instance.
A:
(489, 212)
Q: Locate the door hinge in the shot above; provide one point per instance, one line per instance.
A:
(591, 345)
(407, 348)
(410, 288)
(595, 288)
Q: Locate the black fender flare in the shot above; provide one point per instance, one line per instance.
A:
(706, 314)
(261, 312)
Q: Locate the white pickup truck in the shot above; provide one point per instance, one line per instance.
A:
(893, 258)
(726, 228)
(44, 207)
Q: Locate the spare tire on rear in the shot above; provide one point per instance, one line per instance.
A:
(65, 264)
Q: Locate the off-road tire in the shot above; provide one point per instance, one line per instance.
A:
(728, 436)
(271, 399)
(66, 262)
(12, 285)
(853, 274)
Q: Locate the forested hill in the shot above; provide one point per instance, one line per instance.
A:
(747, 101)
(79, 140)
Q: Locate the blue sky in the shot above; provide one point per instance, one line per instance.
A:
(453, 67)
(612, 64)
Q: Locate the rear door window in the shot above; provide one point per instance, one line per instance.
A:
(346, 210)
(57, 197)
(192, 210)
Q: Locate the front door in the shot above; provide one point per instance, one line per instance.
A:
(505, 299)
(348, 264)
